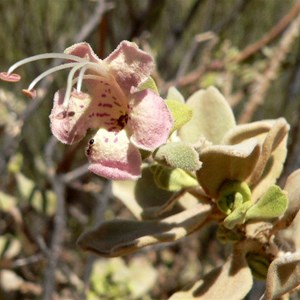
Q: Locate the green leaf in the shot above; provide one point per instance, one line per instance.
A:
(233, 194)
(178, 155)
(132, 193)
(120, 237)
(172, 179)
(181, 113)
(259, 265)
(174, 94)
(212, 117)
(272, 136)
(237, 216)
(232, 280)
(292, 187)
(150, 85)
(283, 275)
(225, 235)
(271, 205)
(222, 163)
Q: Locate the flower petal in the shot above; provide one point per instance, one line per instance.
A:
(130, 65)
(83, 50)
(112, 156)
(70, 125)
(150, 120)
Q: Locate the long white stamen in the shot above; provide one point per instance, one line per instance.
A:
(44, 56)
(70, 82)
(50, 71)
(80, 78)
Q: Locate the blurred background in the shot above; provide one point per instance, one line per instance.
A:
(249, 49)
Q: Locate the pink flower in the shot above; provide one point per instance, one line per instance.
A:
(126, 119)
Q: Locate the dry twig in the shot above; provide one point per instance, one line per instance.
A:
(261, 85)
(271, 35)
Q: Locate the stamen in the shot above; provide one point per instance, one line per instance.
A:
(29, 93)
(10, 77)
(50, 71)
(70, 82)
(44, 56)
(80, 79)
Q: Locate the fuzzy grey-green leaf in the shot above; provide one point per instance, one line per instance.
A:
(222, 163)
(181, 113)
(237, 216)
(174, 94)
(283, 276)
(271, 205)
(212, 117)
(149, 84)
(172, 179)
(120, 237)
(178, 155)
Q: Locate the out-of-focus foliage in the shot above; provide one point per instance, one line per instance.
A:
(196, 43)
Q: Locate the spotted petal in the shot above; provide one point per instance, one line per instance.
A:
(70, 125)
(130, 65)
(112, 156)
(150, 120)
(100, 108)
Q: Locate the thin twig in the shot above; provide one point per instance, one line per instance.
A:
(187, 59)
(261, 85)
(271, 35)
(75, 174)
(59, 222)
(101, 204)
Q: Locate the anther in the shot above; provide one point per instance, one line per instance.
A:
(10, 77)
(29, 93)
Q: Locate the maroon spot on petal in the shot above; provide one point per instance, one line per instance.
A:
(104, 115)
(10, 77)
(107, 83)
(106, 140)
(103, 95)
(71, 113)
(88, 151)
(122, 121)
(100, 104)
(115, 98)
(117, 103)
(116, 140)
(61, 115)
(81, 106)
(107, 105)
